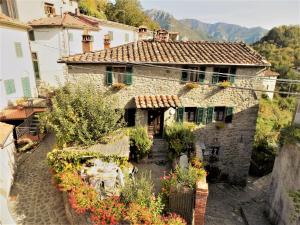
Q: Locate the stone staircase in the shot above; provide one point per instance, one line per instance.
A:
(34, 126)
(159, 151)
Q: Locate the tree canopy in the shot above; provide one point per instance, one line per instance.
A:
(82, 115)
(281, 47)
(129, 12)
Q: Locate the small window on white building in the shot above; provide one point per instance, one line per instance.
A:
(49, 9)
(111, 35)
(18, 48)
(36, 65)
(9, 86)
(126, 37)
(31, 35)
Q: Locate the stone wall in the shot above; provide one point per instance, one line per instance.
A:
(7, 170)
(235, 139)
(285, 178)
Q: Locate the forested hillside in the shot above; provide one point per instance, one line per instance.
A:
(129, 12)
(280, 47)
(196, 30)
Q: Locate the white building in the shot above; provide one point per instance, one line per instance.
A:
(119, 33)
(16, 69)
(269, 82)
(57, 36)
(27, 10)
(7, 170)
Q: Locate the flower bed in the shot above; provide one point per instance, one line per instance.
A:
(182, 179)
(135, 205)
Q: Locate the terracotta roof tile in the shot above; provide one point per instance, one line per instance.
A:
(67, 20)
(195, 52)
(270, 73)
(12, 22)
(158, 101)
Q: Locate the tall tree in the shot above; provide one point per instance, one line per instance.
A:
(129, 12)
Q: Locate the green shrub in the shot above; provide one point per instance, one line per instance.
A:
(180, 138)
(82, 115)
(63, 160)
(140, 141)
(290, 135)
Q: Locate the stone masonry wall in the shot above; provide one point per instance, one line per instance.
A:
(235, 139)
(285, 178)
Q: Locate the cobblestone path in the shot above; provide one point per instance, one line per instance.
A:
(34, 200)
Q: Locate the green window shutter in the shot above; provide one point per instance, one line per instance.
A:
(180, 113)
(26, 87)
(202, 74)
(210, 113)
(36, 69)
(199, 115)
(228, 114)
(109, 75)
(18, 48)
(184, 76)
(9, 86)
(215, 78)
(128, 76)
(233, 73)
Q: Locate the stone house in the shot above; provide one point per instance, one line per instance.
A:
(160, 82)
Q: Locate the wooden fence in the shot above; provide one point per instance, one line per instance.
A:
(182, 202)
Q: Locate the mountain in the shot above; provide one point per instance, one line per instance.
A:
(196, 30)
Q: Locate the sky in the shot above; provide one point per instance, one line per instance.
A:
(263, 13)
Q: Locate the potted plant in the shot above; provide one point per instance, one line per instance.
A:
(220, 125)
(118, 86)
(20, 103)
(224, 84)
(191, 85)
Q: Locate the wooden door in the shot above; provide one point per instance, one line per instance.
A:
(155, 122)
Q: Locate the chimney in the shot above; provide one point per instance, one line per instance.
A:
(162, 35)
(87, 42)
(77, 12)
(106, 41)
(174, 36)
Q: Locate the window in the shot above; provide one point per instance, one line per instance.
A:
(49, 9)
(18, 48)
(35, 65)
(119, 74)
(219, 113)
(129, 117)
(126, 37)
(9, 86)
(222, 74)
(193, 74)
(223, 114)
(190, 114)
(26, 87)
(31, 35)
(86, 37)
(111, 35)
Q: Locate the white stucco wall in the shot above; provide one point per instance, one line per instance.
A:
(50, 45)
(34, 9)
(118, 35)
(13, 67)
(269, 84)
(7, 168)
